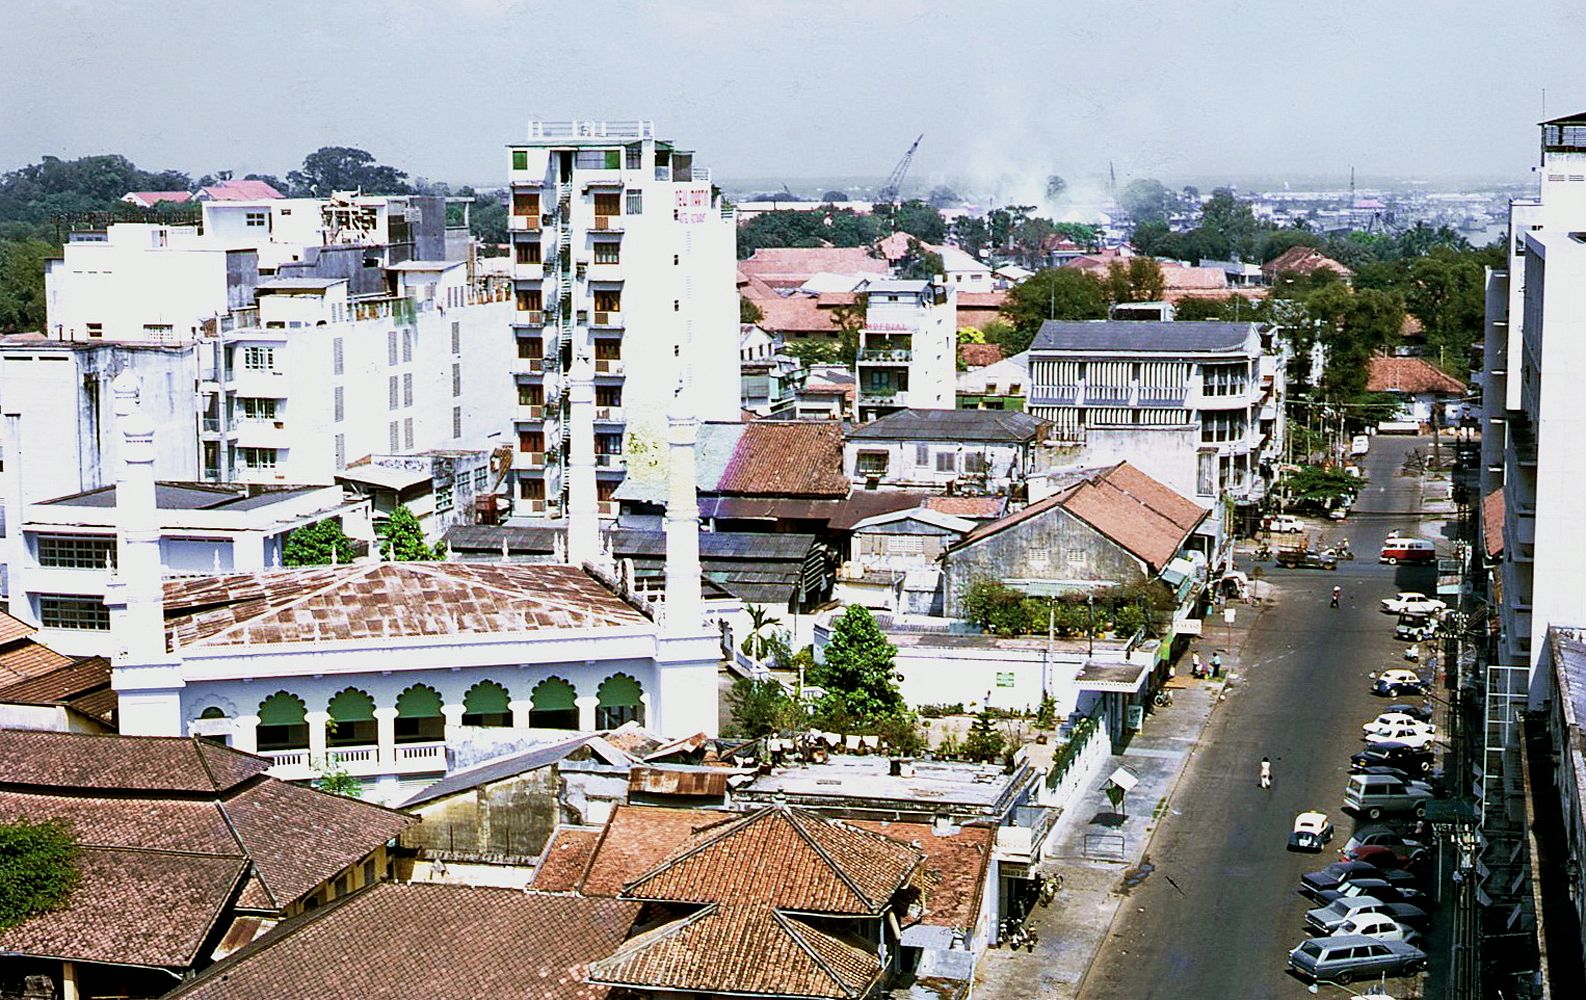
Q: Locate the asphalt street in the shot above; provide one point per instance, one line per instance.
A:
(1219, 914)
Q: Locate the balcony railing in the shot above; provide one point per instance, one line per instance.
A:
(602, 317)
(882, 397)
(607, 508)
(886, 354)
(211, 424)
(531, 459)
(605, 461)
(525, 223)
(529, 317)
(608, 223)
(609, 414)
(528, 366)
(531, 411)
(608, 366)
(636, 128)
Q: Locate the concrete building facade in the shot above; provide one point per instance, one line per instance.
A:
(908, 347)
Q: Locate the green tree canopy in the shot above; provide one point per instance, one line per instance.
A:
(1137, 280)
(1145, 200)
(315, 545)
(761, 707)
(984, 741)
(858, 673)
(920, 262)
(402, 539)
(22, 283)
(838, 227)
(344, 168)
(37, 869)
(1055, 293)
(919, 219)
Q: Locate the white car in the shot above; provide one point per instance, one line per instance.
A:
(1379, 926)
(1410, 602)
(1396, 720)
(1419, 737)
(1284, 524)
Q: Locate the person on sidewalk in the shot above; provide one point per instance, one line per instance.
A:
(1217, 664)
(1338, 592)
(1266, 773)
(1195, 665)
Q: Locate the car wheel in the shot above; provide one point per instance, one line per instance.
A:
(1373, 813)
(1344, 977)
(1420, 810)
(1392, 561)
(1411, 968)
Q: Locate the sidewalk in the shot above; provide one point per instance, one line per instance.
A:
(1102, 854)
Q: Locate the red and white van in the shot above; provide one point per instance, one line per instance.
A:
(1409, 550)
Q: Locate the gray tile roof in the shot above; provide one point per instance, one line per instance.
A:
(1116, 336)
(191, 496)
(969, 426)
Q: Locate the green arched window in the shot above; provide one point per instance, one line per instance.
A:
(351, 720)
(419, 718)
(619, 702)
(282, 725)
(487, 704)
(212, 712)
(555, 705)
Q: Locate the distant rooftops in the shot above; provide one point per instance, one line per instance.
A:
(978, 426)
(238, 191)
(1134, 336)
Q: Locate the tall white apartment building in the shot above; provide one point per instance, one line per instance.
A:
(624, 252)
(908, 347)
(1534, 412)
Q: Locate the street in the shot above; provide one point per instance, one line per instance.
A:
(1219, 913)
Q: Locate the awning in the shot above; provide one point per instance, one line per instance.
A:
(1114, 676)
(384, 477)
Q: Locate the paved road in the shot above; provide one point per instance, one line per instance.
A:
(1223, 926)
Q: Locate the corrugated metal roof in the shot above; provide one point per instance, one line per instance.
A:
(969, 426)
(1102, 336)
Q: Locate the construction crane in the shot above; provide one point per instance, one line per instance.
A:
(889, 191)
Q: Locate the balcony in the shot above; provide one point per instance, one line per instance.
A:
(607, 272)
(603, 319)
(209, 425)
(528, 366)
(609, 366)
(268, 384)
(528, 271)
(530, 412)
(609, 462)
(360, 762)
(608, 414)
(894, 355)
(524, 223)
(883, 397)
(581, 128)
(602, 177)
(530, 460)
(259, 434)
(1109, 395)
(1056, 395)
(608, 224)
(533, 507)
(1162, 395)
(529, 317)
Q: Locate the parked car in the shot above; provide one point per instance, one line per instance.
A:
(1398, 756)
(1415, 627)
(1396, 682)
(1410, 550)
(1327, 919)
(1395, 720)
(1341, 958)
(1307, 559)
(1414, 736)
(1375, 887)
(1312, 831)
(1284, 524)
(1384, 856)
(1411, 602)
(1420, 712)
(1313, 884)
(1375, 925)
(1383, 836)
(1376, 795)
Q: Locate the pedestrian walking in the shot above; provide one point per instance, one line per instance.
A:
(1195, 665)
(1337, 593)
(1217, 664)
(1266, 773)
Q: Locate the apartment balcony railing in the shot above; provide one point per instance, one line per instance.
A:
(894, 354)
(210, 424)
(1058, 395)
(605, 318)
(1108, 395)
(607, 508)
(532, 411)
(608, 224)
(531, 460)
(528, 366)
(637, 128)
(609, 366)
(606, 461)
(609, 414)
(882, 397)
(525, 223)
(529, 317)
(1163, 395)
(531, 506)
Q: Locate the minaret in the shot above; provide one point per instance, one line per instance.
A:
(583, 518)
(135, 596)
(684, 612)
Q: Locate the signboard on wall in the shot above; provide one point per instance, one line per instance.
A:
(691, 205)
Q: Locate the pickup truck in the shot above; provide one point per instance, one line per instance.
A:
(1306, 559)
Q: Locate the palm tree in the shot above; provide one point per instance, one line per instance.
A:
(759, 618)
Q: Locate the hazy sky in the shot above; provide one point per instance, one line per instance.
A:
(1002, 91)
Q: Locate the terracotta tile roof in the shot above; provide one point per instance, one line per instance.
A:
(12, 629)
(1492, 511)
(977, 508)
(789, 267)
(979, 355)
(799, 458)
(83, 685)
(894, 247)
(1412, 375)
(240, 191)
(1176, 278)
(981, 300)
(1139, 514)
(385, 600)
(148, 198)
(26, 659)
(168, 764)
(566, 858)
(423, 941)
(192, 826)
(743, 950)
(783, 858)
(299, 837)
(1303, 260)
(636, 839)
(955, 866)
(797, 316)
(130, 907)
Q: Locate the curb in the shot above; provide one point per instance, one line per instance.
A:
(1079, 987)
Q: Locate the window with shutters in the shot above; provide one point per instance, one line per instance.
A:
(457, 380)
(529, 300)
(338, 358)
(520, 159)
(608, 301)
(396, 436)
(525, 204)
(635, 202)
(407, 345)
(531, 395)
(457, 338)
(633, 157)
(946, 461)
(257, 458)
(407, 389)
(341, 404)
(608, 204)
(608, 252)
(393, 392)
(407, 432)
(529, 253)
(391, 346)
(341, 451)
(922, 456)
(531, 489)
(258, 359)
(255, 408)
(457, 421)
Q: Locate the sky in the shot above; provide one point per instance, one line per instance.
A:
(1004, 92)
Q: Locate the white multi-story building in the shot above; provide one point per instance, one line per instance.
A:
(624, 252)
(908, 347)
(1534, 414)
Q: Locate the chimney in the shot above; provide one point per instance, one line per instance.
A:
(583, 520)
(135, 595)
(684, 611)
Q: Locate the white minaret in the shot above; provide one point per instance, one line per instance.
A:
(684, 611)
(583, 518)
(134, 595)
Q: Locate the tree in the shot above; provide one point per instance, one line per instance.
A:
(748, 312)
(344, 168)
(759, 618)
(1055, 293)
(858, 673)
(1145, 200)
(917, 218)
(761, 707)
(333, 778)
(402, 540)
(942, 196)
(318, 544)
(38, 869)
(1139, 280)
(1029, 240)
(984, 742)
(1228, 228)
(22, 283)
(920, 262)
(972, 234)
